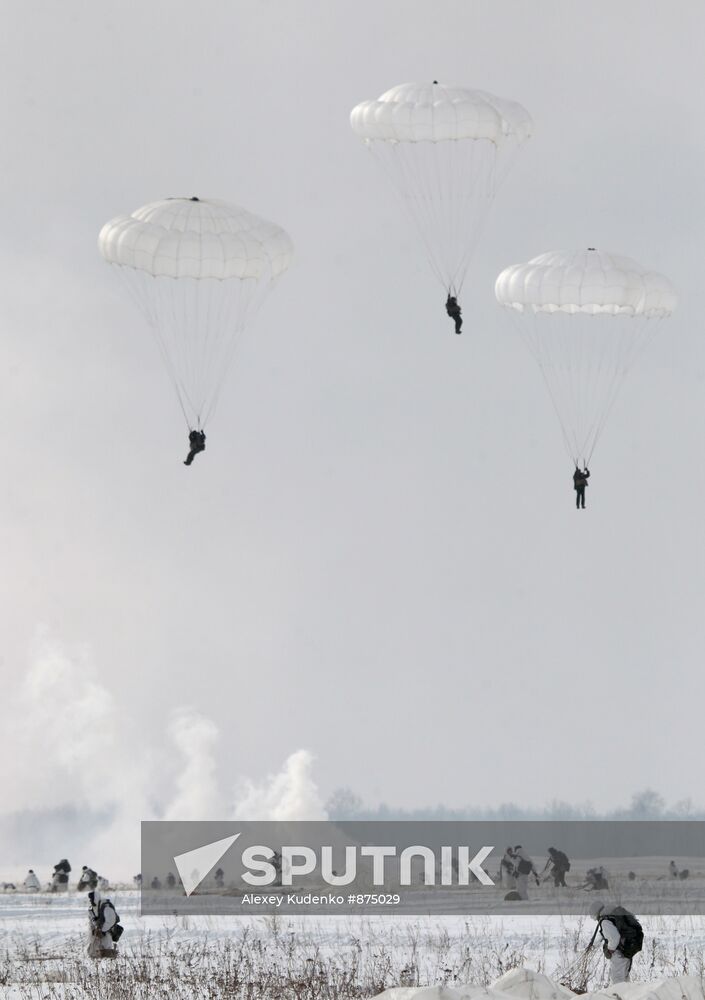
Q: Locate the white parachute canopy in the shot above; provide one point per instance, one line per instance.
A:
(585, 316)
(198, 269)
(445, 148)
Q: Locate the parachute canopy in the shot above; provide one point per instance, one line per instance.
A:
(446, 148)
(585, 281)
(525, 984)
(585, 316)
(434, 112)
(198, 268)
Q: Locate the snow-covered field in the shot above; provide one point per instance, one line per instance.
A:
(43, 940)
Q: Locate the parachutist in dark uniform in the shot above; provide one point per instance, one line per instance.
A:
(453, 310)
(197, 443)
(580, 481)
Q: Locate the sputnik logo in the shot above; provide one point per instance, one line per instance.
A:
(298, 861)
(193, 866)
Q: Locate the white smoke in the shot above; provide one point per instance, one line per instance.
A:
(60, 731)
(64, 746)
(195, 738)
(290, 795)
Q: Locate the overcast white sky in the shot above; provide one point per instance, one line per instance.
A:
(378, 557)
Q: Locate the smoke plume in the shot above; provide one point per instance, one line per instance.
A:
(71, 787)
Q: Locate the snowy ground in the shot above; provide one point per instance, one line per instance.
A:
(43, 939)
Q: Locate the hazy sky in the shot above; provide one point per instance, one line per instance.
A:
(378, 558)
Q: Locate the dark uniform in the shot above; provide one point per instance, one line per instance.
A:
(559, 866)
(453, 310)
(197, 443)
(580, 481)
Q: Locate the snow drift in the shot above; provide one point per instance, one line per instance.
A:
(524, 984)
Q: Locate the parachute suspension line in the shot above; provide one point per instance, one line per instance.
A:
(529, 338)
(580, 388)
(178, 353)
(197, 325)
(583, 360)
(604, 386)
(453, 202)
(451, 207)
(136, 283)
(495, 163)
(420, 194)
(466, 204)
(212, 333)
(447, 189)
(417, 195)
(591, 380)
(484, 165)
(232, 317)
(640, 338)
(578, 974)
(568, 441)
(186, 307)
(239, 310)
(170, 296)
(543, 350)
(613, 335)
(204, 333)
(224, 325)
(605, 376)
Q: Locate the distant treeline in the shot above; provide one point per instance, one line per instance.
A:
(647, 804)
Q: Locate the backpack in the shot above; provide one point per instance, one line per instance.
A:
(116, 931)
(562, 860)
(630, 930)
(524, 867)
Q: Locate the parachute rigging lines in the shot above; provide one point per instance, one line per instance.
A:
(198, 270)
(445, 149)
(585, 317)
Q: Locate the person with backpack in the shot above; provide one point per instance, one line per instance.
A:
(104, 923)
(596, 879)
(523, 867)
(560, 865)
(622, 938)
(87, 880)
(197, 444)
(580, 481)
(506, 869)
(60, 877)
(454, 311)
